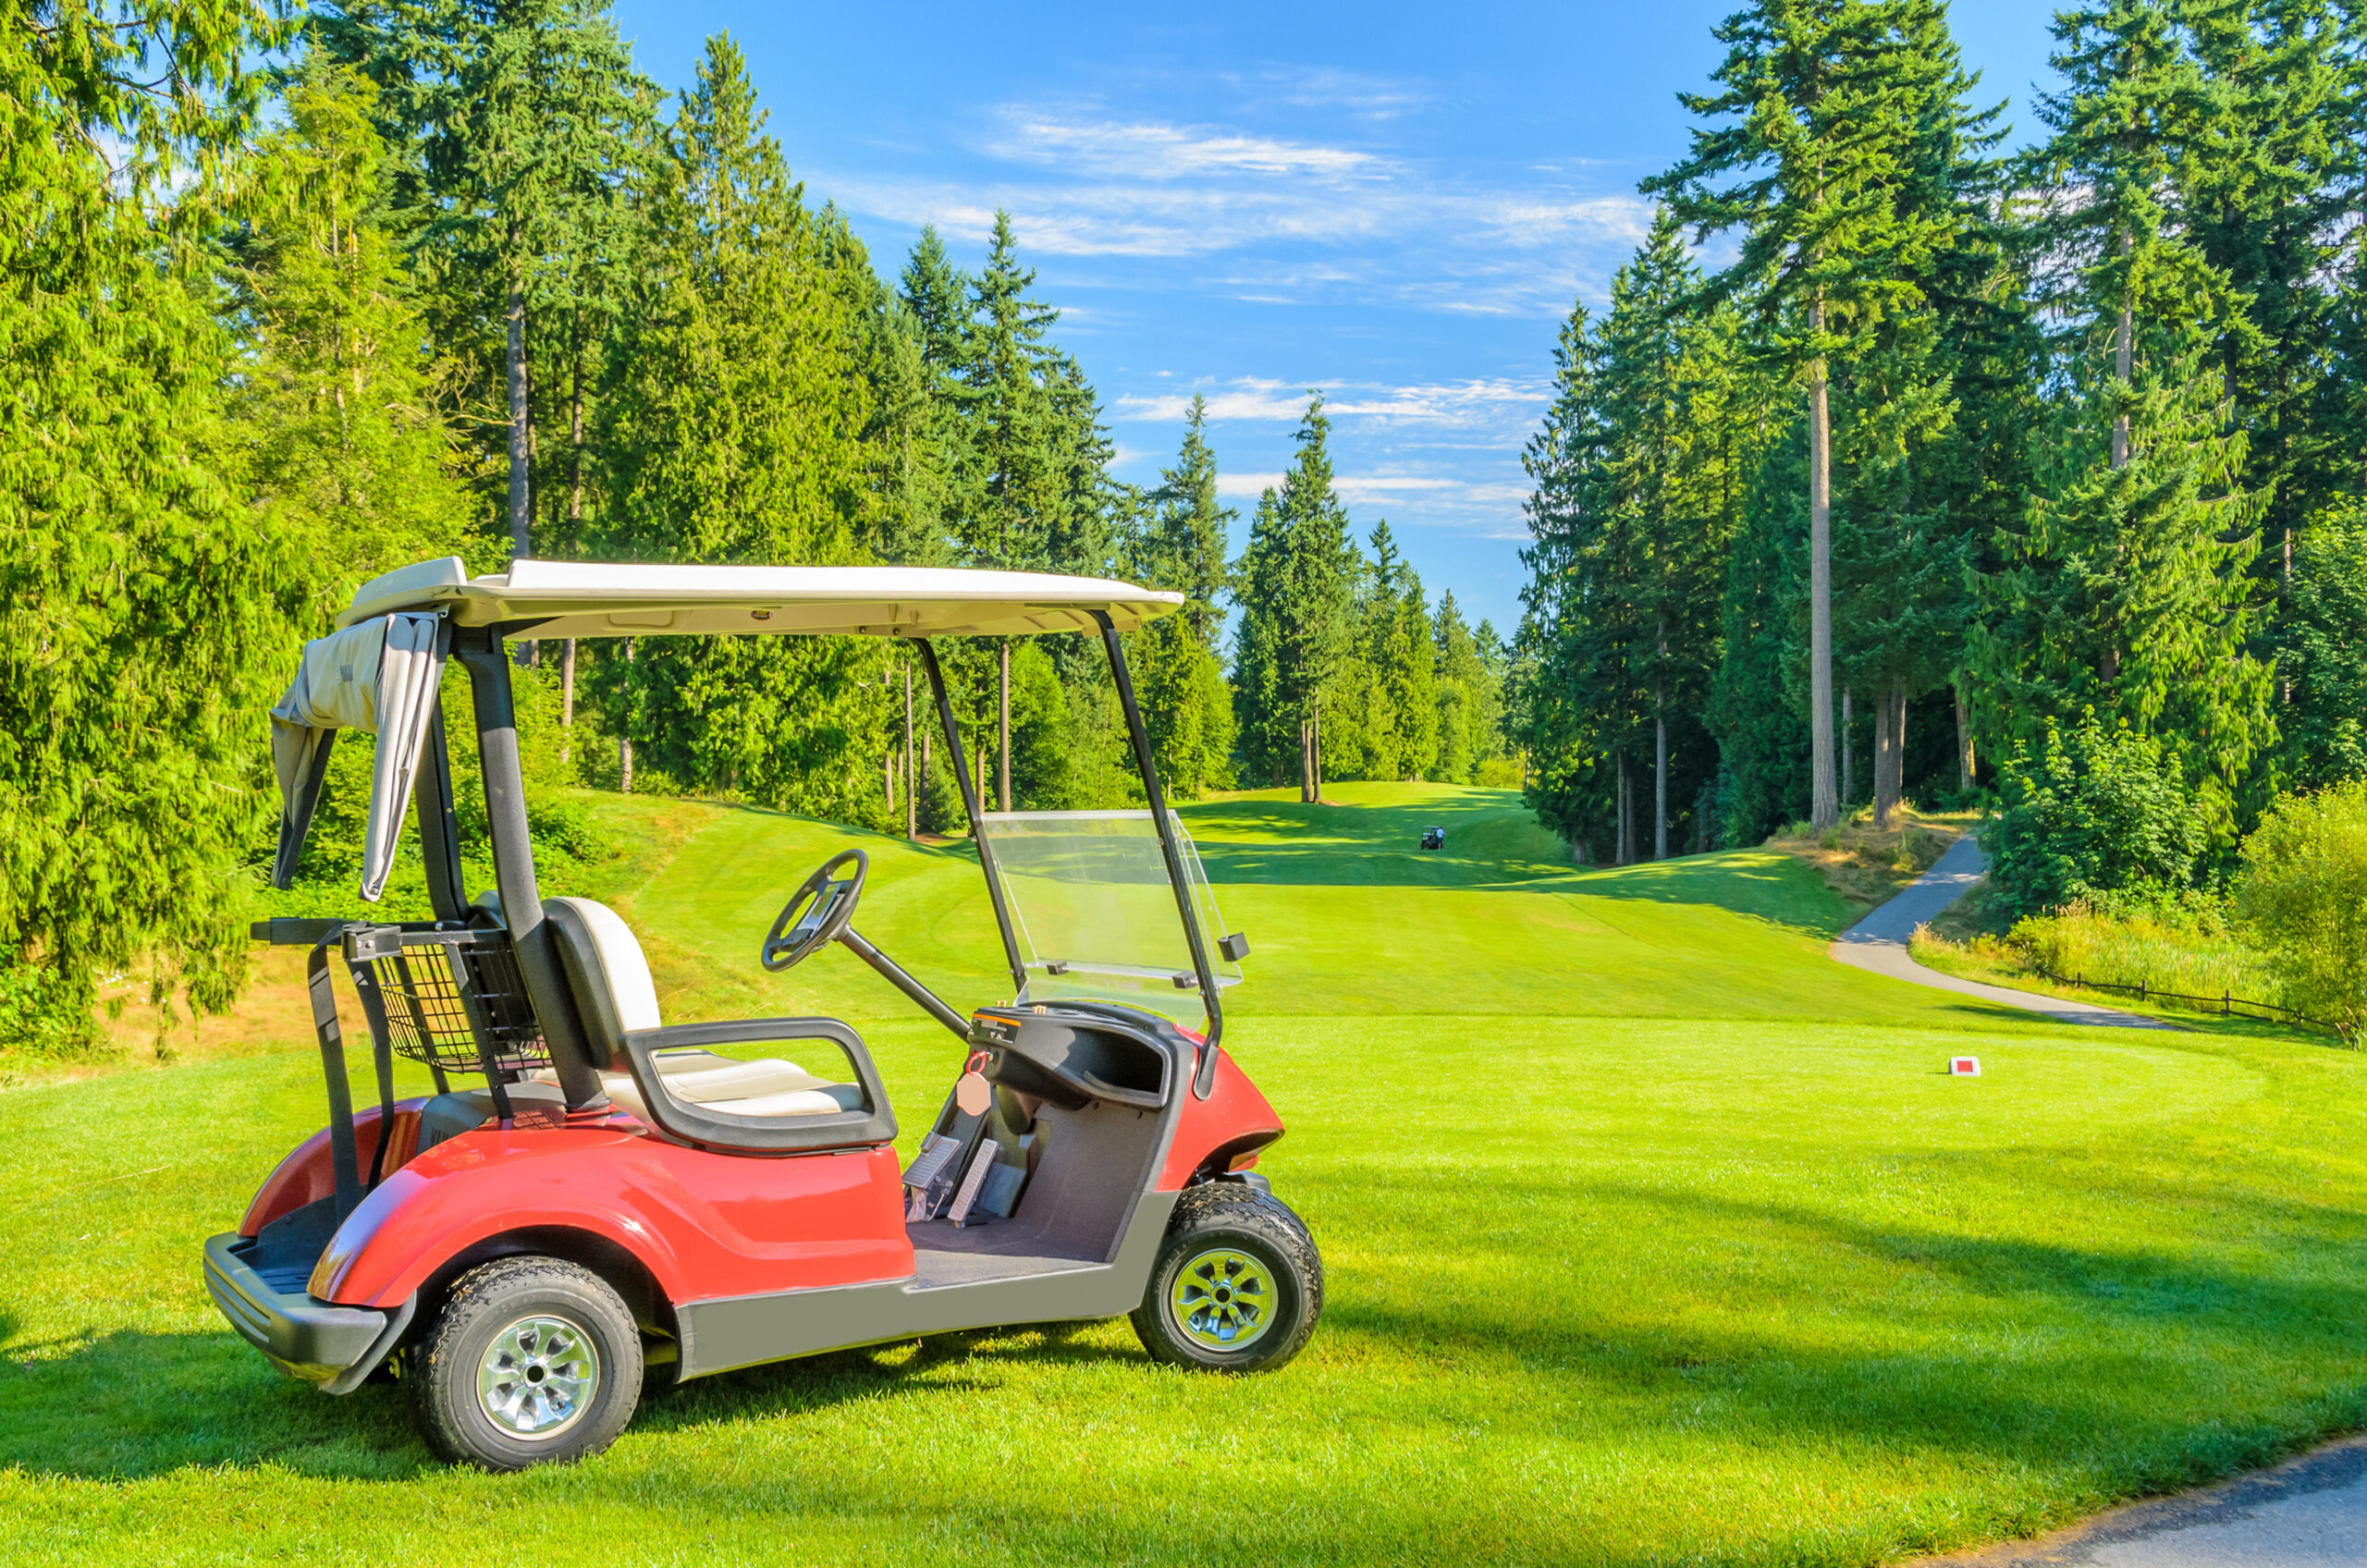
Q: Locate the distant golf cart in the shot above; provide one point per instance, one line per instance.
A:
(620, 1203)
(1435, 838)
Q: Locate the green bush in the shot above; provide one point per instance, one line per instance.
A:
(2191, 952)
(2103, 816)
(42, 1012)
(2303, 894)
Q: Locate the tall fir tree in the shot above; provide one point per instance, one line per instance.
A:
(1824, 105)
(521, 118)
(333, 414)
(1178, 674)
(2127, 591)
(146, 611)
(733, 427)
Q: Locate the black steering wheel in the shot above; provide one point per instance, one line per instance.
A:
(816, 912)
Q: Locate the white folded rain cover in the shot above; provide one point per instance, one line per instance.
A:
(380, 678)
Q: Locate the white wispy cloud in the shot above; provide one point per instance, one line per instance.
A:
(1485, 401)
(1084, 142)
(1310, 220)
(1437, 492)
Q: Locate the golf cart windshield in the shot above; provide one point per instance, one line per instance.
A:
(1095, 913)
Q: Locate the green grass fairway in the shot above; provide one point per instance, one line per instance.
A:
(1652, 1236)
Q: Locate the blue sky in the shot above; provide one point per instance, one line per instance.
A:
(1395, 203)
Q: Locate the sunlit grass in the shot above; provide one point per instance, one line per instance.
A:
(1696, 1258)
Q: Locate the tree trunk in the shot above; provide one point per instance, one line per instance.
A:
(1003, 774)
(887, 779)
(1621, 836)
(624, 741)
(2123, 361)
(520, 503)
(1890, 740)
(911, 786)
(575, 458)
(1848, 762)
(1963, 741)
(1898, 747)
(566, 699)
(2284, 685)
(1659, 787)
(926, 767)
(1317, 753)
(1825, 804)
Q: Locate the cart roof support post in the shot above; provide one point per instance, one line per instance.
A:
(1177, 878)
(970, 804)
(514, 868)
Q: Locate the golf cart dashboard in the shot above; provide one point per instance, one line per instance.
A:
(1073, 1055)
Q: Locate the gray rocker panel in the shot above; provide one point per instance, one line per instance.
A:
(734, 1332)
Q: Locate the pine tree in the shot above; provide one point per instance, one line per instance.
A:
(521, 116)
(1315, 563)
(1178, 677)
(1008, 371)
(1825, 102)
(145, 612)
(1559, 721)
(331, 410)
(1464, 687)
(1401, 738)
(1264, 729)
(1633, 515)
(2324, 656)
(2127, 591)
(733, 427)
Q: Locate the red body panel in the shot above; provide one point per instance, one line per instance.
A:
(306, 1174)
(704, 1225)
(1235, 1114)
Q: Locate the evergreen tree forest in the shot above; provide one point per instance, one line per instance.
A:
(1897, 456)
(296, 297)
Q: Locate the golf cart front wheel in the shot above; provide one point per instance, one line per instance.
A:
(1238, 1285)
(532, 1361)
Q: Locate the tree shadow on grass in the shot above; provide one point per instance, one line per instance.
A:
(2138, 1368)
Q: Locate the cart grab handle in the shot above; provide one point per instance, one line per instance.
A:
(289, 931)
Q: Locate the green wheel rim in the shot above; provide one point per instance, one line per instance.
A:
(1223, 1299)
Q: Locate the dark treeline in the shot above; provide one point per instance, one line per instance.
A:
(1963, 448)
(452, 277)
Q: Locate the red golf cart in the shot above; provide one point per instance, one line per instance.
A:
(618, 1204)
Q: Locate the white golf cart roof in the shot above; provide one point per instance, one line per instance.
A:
(603, 599)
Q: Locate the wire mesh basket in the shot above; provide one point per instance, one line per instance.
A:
(451, 998)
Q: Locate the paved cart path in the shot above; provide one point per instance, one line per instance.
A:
(1879, 943)
(2309, 1512)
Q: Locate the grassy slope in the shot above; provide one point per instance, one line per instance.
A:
(1652, 1236)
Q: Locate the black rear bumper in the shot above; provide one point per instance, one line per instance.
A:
(336, 1347)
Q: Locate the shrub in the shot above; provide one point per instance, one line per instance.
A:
(44, 1012)
(2303, 893)
(2103, 816)
(2194, 955)
(1499, 773)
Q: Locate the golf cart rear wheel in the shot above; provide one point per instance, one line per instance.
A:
(532, 1360)
(1238, 1285)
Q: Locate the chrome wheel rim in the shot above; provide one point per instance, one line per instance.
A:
(1222, 1299)
(538, 1377)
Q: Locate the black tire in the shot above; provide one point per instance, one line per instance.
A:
(1245, 1266)
(524, 1298)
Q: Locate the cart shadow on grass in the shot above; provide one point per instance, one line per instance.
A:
(130, 1404)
